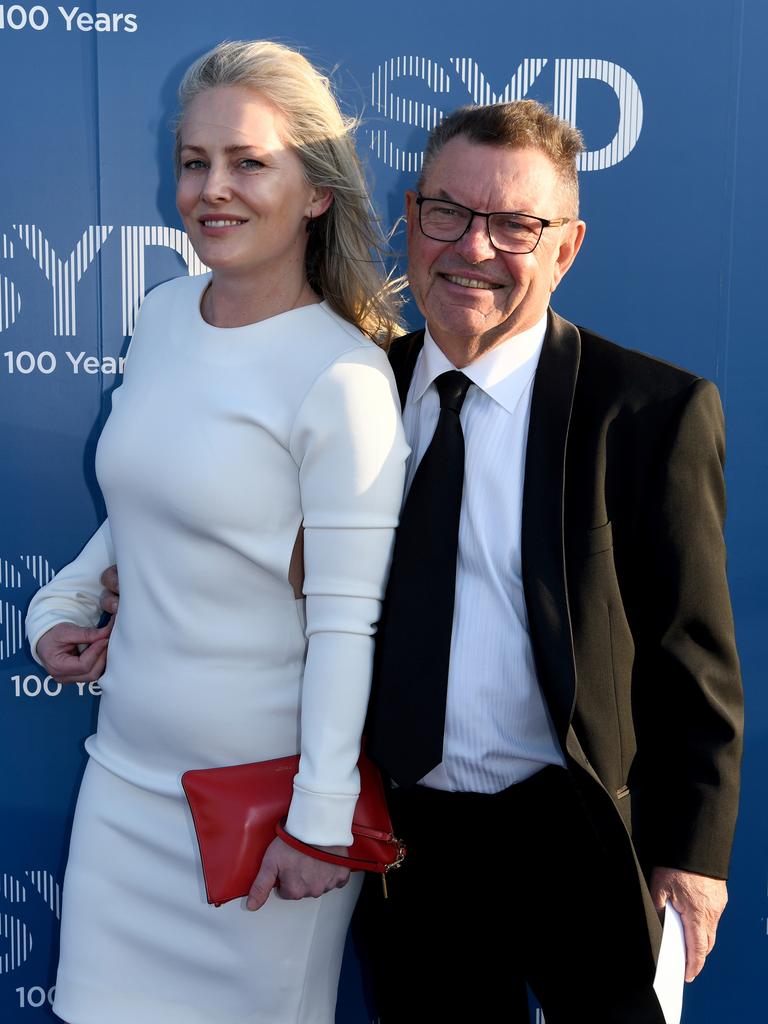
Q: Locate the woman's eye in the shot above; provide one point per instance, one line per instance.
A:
(193, 165)
(249, 164)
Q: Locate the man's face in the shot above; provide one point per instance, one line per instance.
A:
(472, 295)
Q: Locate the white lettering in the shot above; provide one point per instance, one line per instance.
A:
(111, 366)
(93, 688)
(10, 303)
(567, 76)
(69, 17)
(479, 88)
(36, 995)
(64, 275)
(38, 18)
(108, 23)
(134, 241)
(17, 17)
(75, 360)
(33, 686)
(25, 362)
(387, 100)
(46, 362)
(108, 365)
(100, 20)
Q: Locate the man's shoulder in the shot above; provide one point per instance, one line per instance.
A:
(403, 353)
(597, 347)
(615, 370)
(406, 345)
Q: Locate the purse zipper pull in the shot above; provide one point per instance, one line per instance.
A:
(384, 884)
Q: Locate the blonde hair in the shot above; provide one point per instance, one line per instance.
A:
(346, 247)
(521, 124)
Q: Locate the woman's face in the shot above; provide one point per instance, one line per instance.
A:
(242, 193)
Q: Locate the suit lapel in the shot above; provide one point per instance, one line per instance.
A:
(544, 580)
(403, 354)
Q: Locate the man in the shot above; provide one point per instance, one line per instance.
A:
(557, 694)
(567, 700)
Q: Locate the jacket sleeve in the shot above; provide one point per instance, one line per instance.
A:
(687, 687)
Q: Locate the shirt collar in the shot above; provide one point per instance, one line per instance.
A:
(502, 373)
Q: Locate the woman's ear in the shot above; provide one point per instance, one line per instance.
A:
(320, 201)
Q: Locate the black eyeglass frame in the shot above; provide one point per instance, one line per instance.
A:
(556, 223)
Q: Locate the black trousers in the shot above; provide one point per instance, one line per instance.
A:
(499, 891)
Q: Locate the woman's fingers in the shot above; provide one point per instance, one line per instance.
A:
(73, 653)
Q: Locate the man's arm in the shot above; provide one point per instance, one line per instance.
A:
(110, 595)
(688, 683)
(699, 900)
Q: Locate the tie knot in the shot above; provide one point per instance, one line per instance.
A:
(452, 388)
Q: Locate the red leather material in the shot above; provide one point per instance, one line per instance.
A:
(236, 811)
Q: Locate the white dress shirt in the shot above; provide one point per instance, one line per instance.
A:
(497, 727)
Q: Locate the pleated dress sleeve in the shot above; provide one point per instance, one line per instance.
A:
(348, 443)
(73, 594)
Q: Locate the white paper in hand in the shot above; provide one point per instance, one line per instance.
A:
(670, 969)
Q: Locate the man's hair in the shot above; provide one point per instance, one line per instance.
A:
(522, 124)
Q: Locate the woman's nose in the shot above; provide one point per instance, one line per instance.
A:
(217, 186)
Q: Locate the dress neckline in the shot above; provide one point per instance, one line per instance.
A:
(207, 280)
(198, 341)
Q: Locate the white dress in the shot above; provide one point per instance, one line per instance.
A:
(221, 443)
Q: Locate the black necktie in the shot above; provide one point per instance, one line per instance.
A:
(407, 716)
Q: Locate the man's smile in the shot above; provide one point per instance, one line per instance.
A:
(470, 282)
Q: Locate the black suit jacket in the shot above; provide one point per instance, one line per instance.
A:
(625, 585)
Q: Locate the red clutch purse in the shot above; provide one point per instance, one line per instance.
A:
(238, 810)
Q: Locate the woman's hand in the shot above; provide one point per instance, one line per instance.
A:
(295, 874)
(59, 651)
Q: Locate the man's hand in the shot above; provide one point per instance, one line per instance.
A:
(59, 651)
(110, 595)
(700, 901)
(295, 875)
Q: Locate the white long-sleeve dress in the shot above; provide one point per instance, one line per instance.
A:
(220, 445)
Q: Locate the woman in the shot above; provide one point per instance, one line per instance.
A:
(252, 415)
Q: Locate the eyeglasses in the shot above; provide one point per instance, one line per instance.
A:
(510, 232)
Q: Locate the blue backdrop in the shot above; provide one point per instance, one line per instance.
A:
(671, 100)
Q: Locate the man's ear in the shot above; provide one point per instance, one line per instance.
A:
(411, 214)
(570, 243)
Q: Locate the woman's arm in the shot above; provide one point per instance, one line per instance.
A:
(63, 615)
(351, 451)
(349, 446)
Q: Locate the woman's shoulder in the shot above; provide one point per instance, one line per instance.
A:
(345, 375)
(163, 298)
(333, 338)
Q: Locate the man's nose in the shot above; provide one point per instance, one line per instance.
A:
(475, 244)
